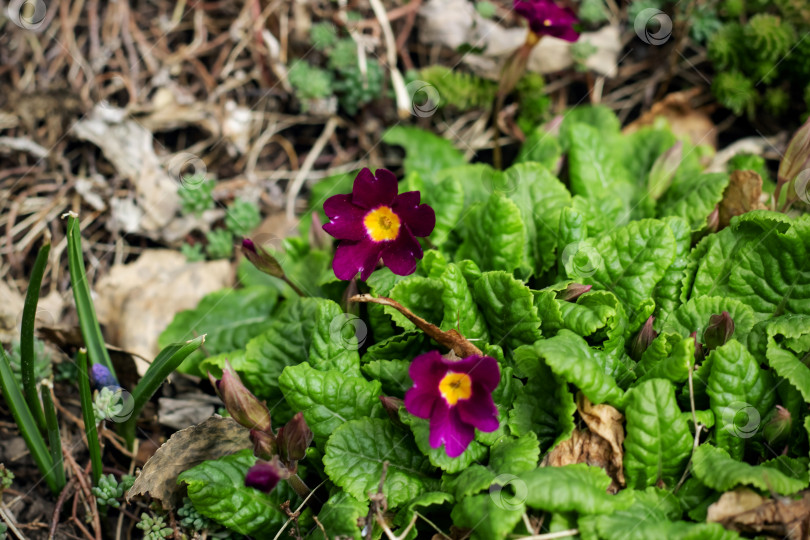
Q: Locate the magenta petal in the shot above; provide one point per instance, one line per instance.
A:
(479, 411)
(346, 219)
(567, 33)
(420, 401)
(482, 370)
(420, 218)
(446, 427)
(371, 191)
(401, 254)
(427, 370)
(262, 476)
(353, 257)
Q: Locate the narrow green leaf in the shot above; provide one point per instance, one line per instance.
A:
(89, 417)
(715, 468)
(27, 354)
(54, 439)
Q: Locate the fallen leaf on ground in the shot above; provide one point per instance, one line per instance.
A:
(186, 410)
(743, 510)
(212, 439)
(683, 118)
(586, 447)
(605, 421)
(742, 195)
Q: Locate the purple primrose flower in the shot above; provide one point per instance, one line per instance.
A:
(456, 396)
(548, 19)
(374, 222)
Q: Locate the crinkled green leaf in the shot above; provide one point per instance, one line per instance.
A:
(447, 200)
(229, 318)
(404, 345)
(354, 461)
(694, 315)
(540, 146)
(514, 456)
(642, 148)
(392, 374)
(339, 517)
(667, 292)
(693, 197)
(629, 261)
(488, 518)
(787, 356)
(669, 356)
(658, 442)
(329, 398)
(715, 468)
(217, 490)
(603, 214)
(460, 312)
(508, 307)
(598, 116)
(335, 339)
(740, 394)
(421, 295)
(420, 504)
(433, 264)
(494, 235)
(425, 153)
(594, 168)
(438, 456)
(600, 315)
(571, 488)
(470, 481)
(588, 373)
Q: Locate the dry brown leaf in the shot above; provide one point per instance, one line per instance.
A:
(605, 421)
(212, 439)
(742, 195)
(137, 301)
(745, 511)
(684, 119)
(586, 447)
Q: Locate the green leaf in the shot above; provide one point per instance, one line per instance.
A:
(571, 488)
(715, 468)
(642, 148)
(329, 398)
(513, 456)
(588, 373)
(540, 196)
(740, 394)
(693, 197)
(658, 440)
(470, 481)
(339, 516)
(425, 153)
(423, 501)
(494, 235)
(217, 490)
(27, 354)
(438, 456)
(447, 200)
(460, 312)
(404, 345)
(599, 117)
(545, 406)
(508, 307)
(601, 215)
(354, 461)
(669, 356)
(540, 146)
(594, 168)
(667, 292)
(229, 318)
(783, 355)
(335, 339)
(392, 374)
(629, 261)
(489, 519)
(421, 295)
(694, 315)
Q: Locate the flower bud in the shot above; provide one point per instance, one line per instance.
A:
(663, 171)
(241, 404)
(100, 377)
(777, 426)
(797, 155)
(643, 339)
(713, 221)
(264, 444)
(573, 291)
(392, 406)
(261, 258)
(719, 331)
(293, 439)
(265, 475)
(700, 355)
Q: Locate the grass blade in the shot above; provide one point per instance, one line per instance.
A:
(89, 416)
(164, 364)
(25, 421)
(27, 356)
(54, 439)
(91, 331)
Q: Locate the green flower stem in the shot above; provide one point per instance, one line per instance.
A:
(27, 354)
(25, 421)
(89, 416)
(299, 486)
(54, 439)
(164, 364)
(91, 331)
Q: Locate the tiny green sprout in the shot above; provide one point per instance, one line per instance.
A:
(191, 519)
(220, 244)
(154, 528)
(109, 490)
(66, 371)
(242, 217)
(6, 477)
(111, 403)
(581, 51)
(193, 253)
(485, 9)
(323, 35)
(42, 360)
(196, 194)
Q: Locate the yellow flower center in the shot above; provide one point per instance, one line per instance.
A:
(547, 22)
(382, 224)
(455, 386)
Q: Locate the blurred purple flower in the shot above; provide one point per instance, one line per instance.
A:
(546, 18)
(100, 377)
(456, 396)
(375, 222)
(265, 475)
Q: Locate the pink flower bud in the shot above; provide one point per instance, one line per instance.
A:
(573, 291)
(797, 155)
(261, 258)
(241, 404)
(265, 475)
(777, 426)
(643, 339)
(663, 171)
(294, 439)
(264, 444)
(719, 331)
